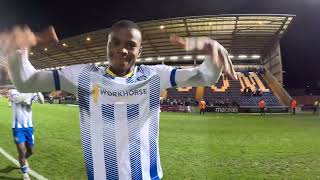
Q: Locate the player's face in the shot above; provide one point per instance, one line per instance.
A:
(123, 48)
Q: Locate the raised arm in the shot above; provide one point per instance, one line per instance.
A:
(210, 70)
(24, 76)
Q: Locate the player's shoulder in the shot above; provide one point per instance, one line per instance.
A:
(159, 68)
(82, 67)
(13, 91)
(145, 69)
(79, 66)
(74, 68)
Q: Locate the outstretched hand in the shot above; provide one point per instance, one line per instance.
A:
(211, 47)
(178, 41)
(22, 37)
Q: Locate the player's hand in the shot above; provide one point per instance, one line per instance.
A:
(22, 37)
(178, 41)
(211, 47)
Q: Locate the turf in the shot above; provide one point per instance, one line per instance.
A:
(211, 146)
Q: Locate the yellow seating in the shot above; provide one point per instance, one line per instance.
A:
(184, 89)
(199, 93)
(260, 84)
(224, 87)
(251, 81)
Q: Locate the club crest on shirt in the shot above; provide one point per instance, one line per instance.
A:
(95, 93)
(141, 78)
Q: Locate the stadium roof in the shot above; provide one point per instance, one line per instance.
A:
(241, 34)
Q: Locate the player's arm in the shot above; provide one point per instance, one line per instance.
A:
(14, 45)
(27, 79)
(210, 70)
(40, 97)
(19, 98)
(23, 75)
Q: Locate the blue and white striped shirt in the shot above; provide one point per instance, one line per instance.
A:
(119, 119)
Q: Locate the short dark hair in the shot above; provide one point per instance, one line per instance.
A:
(125, 24)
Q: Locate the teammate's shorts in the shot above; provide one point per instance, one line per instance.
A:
(22, 135)
(188, 108)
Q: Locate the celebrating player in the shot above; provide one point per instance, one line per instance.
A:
(119, 105)
(22, 126)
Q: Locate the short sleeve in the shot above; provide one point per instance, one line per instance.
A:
(167, 75)
(67, 78)
(13, 92)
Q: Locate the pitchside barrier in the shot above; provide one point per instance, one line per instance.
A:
(227, 109)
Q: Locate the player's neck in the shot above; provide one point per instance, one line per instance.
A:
(118, 73)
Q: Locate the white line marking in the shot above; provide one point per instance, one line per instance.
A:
(31, 172)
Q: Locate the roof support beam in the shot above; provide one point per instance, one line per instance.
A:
(274, 39)
(186, 25)
(146, 37)
(234, 33)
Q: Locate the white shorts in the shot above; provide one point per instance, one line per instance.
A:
(188, 108)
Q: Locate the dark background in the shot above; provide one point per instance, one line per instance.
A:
(299, 46)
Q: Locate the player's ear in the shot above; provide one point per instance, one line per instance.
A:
(140, 50)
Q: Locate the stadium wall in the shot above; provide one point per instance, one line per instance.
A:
(306, 99)
(278, 89)
(273, 63)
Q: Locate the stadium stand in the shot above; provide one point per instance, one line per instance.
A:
(252, 40)
(230, 92)
(179, 94)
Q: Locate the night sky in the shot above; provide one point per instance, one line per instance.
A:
(300, 46)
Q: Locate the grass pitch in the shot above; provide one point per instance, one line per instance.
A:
(211, 146)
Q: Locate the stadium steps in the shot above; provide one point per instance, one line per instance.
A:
(282, 95)
(199, 93)
(164, 94)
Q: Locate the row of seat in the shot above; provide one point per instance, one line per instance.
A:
(231, 91)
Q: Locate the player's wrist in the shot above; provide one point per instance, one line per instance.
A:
(197, 43)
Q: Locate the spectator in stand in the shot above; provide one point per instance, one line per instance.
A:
(168, 101)
(234, 103)
(249, 91)
(258, 92)
(211, 103)
(245, 91)
(175, 103)
(188, 105)
(227, 103)
(222, 103)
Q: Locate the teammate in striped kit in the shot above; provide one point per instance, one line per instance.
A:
(119, 105)
(22, 126)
